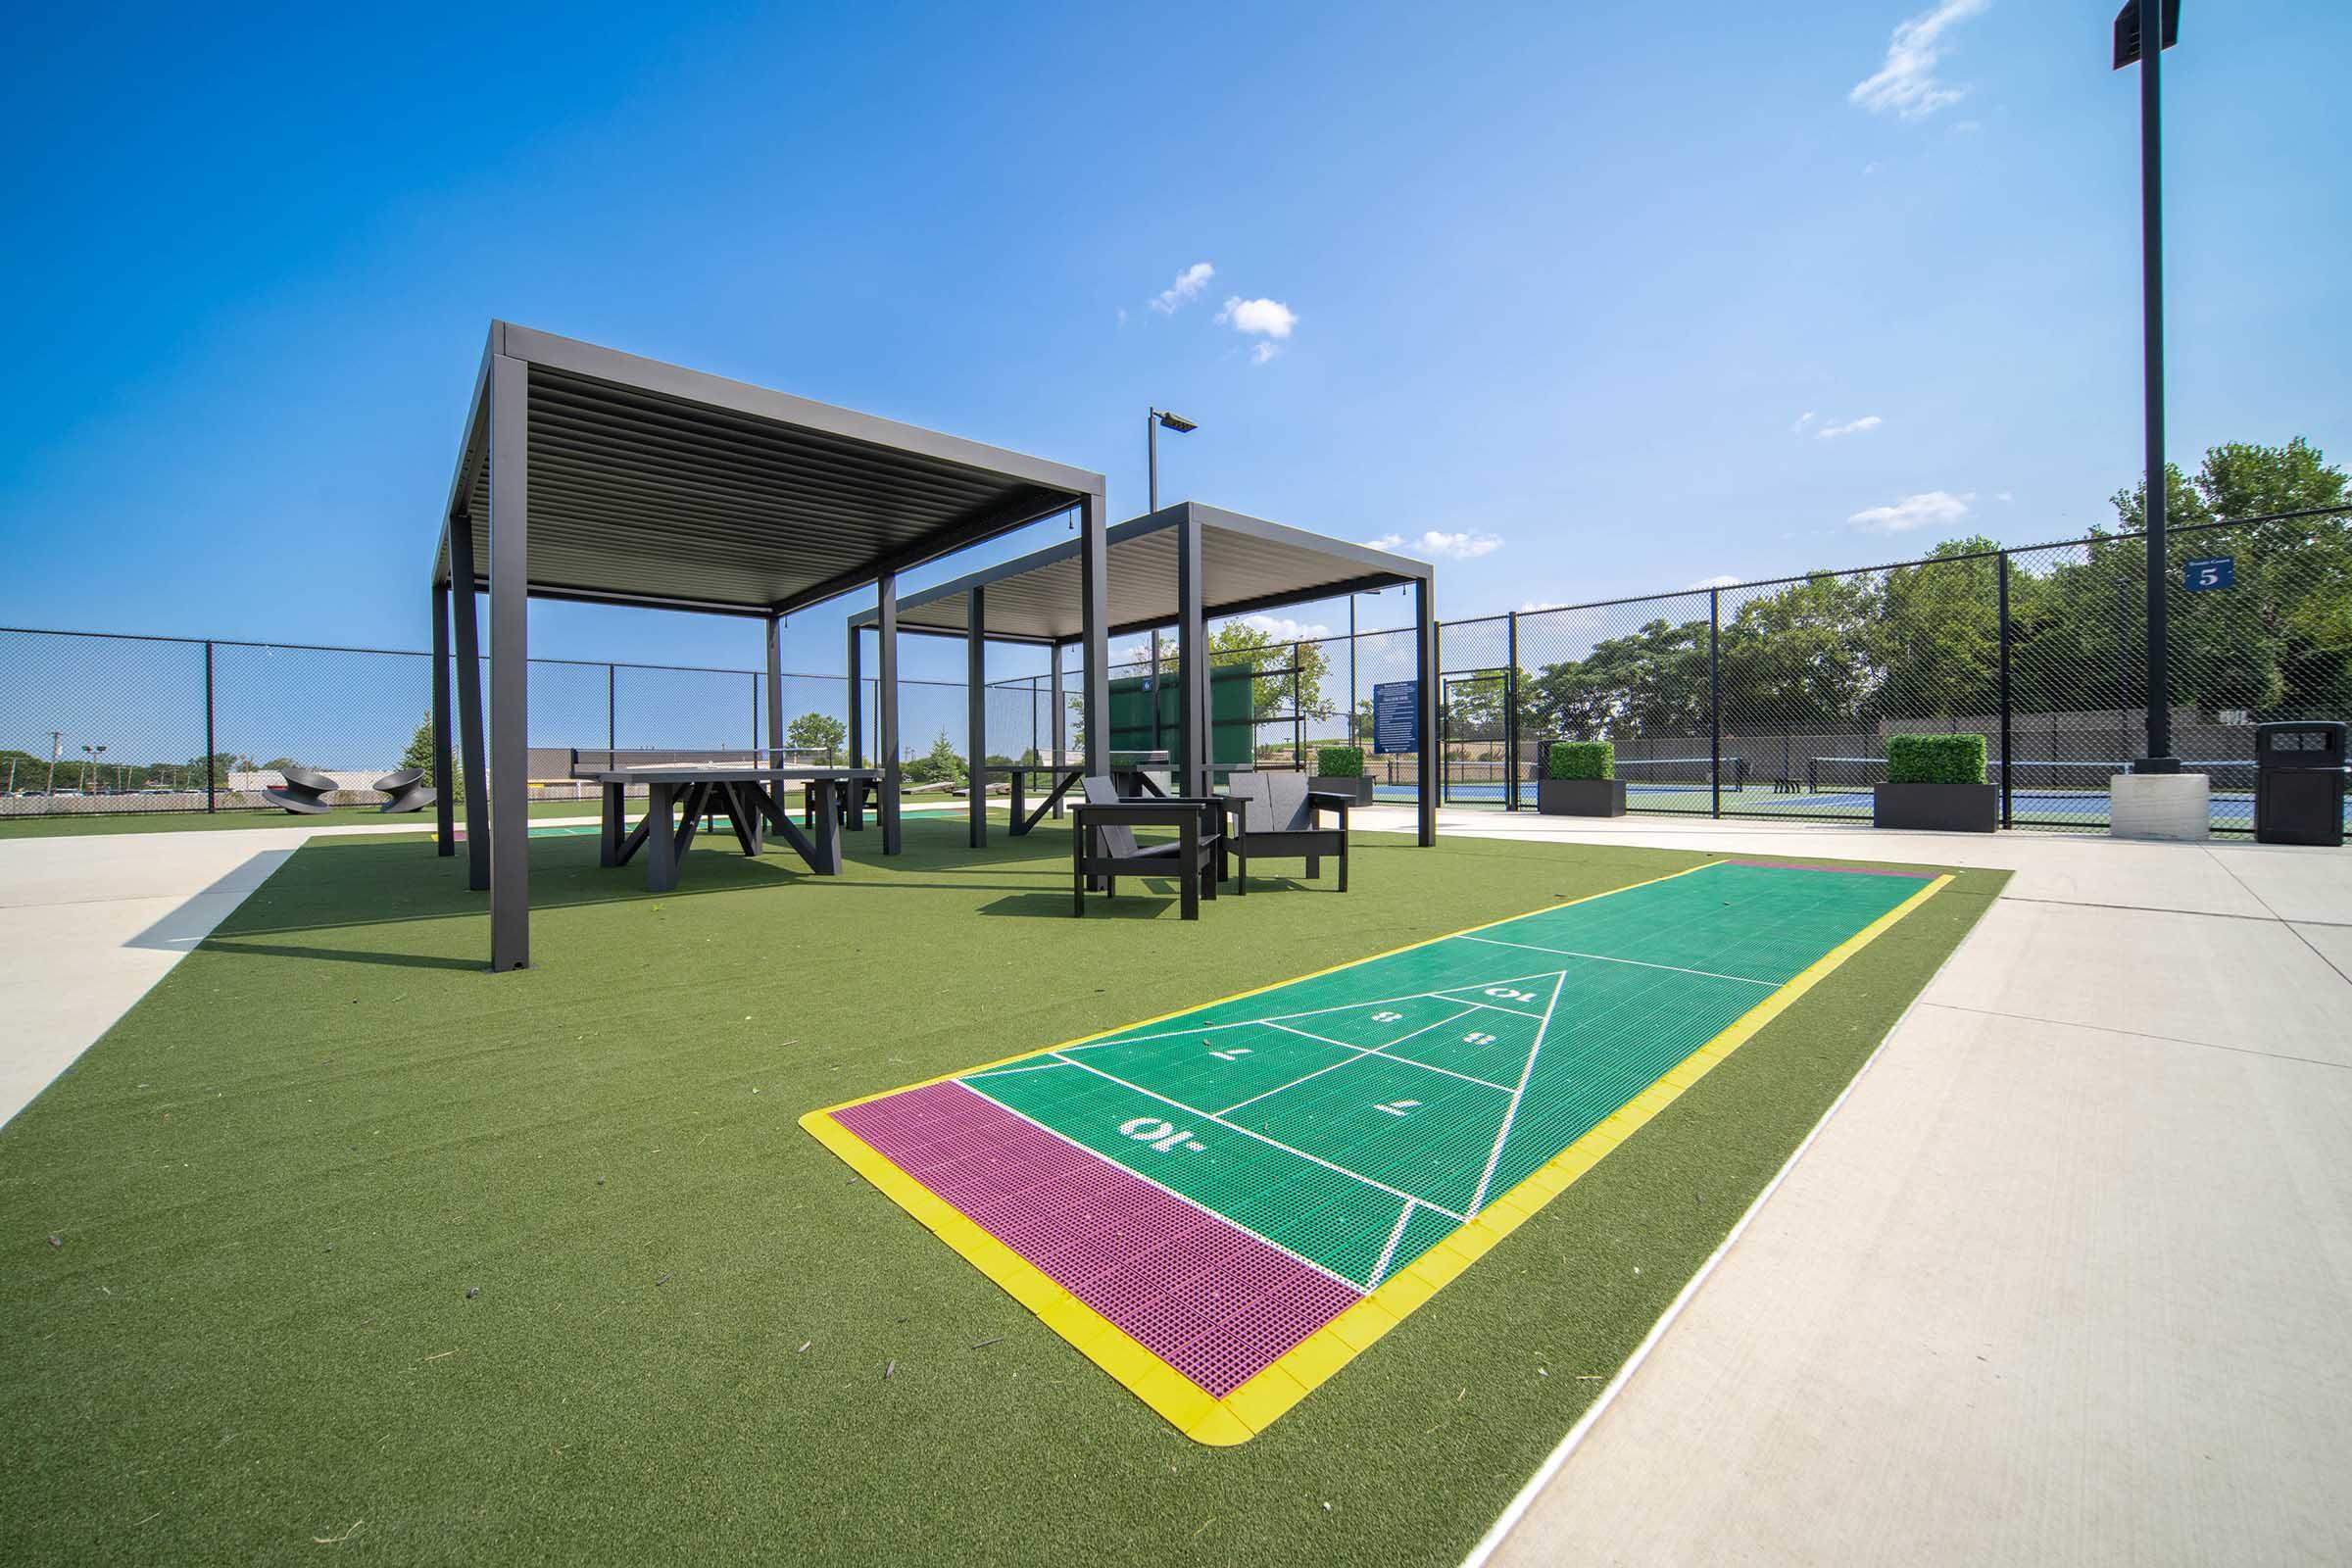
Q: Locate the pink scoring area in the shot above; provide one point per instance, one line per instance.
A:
(1205, 1295)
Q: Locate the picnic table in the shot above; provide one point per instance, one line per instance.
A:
(679, 793)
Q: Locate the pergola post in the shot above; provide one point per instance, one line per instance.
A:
(445, 804)
(775, 690)
(1061, 724)
(1094, 597)
(975, 715)
(1425, 698)
(857, 724)
(1192, 662)
(469, 702)
(886, 702)
(509, 665)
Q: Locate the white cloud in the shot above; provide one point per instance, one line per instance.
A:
(1907, 83)
(1803, 419)
(1966, 127)
(2004, 497)
(1931, 509)
(1467, 545)
(1534, 605)
(1830, 432)
(1724, 581)
(1283, 629)
(1268, 320)
(1122, 315)
(1875, 165)
(1188, 285)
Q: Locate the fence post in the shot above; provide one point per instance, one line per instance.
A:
(210, 794)
(2008, 774)
(1298, 716)
(611, 709)
(1715, 702)
(1510, 716)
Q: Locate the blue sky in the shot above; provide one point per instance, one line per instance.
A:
(1588, 300)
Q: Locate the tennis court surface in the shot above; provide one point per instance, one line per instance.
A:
(1222, 1206)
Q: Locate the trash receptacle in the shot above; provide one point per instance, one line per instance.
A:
(2299, 782)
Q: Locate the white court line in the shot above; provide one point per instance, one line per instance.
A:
(1402, 1061)
(1517, 1095)
(1380, 1269)
(1296, 1257)
(1361, 1052)
(1351, 1006)
(1276, 1142)
(1671, 968)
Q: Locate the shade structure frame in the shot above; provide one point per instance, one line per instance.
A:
(1186, 563)
(586, 474)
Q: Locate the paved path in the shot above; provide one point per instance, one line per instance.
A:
(2064, 1279)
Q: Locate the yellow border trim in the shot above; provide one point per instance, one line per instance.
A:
(1254, 1406)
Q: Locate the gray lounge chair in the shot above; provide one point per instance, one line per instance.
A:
(1103, 845)
(304, 793)
(1282, 817)
(405, 791)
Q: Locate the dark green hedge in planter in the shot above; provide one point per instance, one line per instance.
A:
(1580, 779)
(1935, 783)
(1339, 770)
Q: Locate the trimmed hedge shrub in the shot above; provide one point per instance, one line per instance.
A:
(1936, 758)
(1340, 762)
(1581, 759)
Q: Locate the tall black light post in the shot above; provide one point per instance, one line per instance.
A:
(2139, 19)
(1153, 421)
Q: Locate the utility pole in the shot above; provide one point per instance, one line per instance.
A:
(56, 738)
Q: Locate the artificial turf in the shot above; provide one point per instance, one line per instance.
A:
(276, 1181)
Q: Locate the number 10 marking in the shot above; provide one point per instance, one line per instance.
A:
(1162, 1136)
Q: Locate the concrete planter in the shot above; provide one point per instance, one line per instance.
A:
(1936, 808)
(1359, 789)
(2171, 807)
(1579, 797)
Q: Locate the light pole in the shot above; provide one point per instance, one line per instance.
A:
(57, 741)
(2134, 25)
(1152, 424)
(1153, 420)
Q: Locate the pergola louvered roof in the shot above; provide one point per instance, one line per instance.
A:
(654, 485)
(1246, 564)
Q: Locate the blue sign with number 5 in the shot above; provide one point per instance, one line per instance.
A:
(2213, 571)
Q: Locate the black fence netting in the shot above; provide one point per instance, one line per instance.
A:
(1757, 698)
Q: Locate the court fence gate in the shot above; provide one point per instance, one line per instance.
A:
(1768, 699)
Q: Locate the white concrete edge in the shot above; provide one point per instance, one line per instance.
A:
(1510, 1516)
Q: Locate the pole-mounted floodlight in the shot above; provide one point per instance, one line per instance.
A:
(2132, 26)
(1151, 426)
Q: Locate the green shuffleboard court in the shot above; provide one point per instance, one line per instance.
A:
(1222, 1206)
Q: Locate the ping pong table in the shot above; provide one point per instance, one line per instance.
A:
(682, 789)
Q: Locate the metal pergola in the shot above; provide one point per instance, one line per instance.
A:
(1183, 565)
(594, 475)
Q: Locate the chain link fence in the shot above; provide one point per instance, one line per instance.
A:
(1767, 699)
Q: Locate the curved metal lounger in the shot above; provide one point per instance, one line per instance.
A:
(405, 791)
(304, 793)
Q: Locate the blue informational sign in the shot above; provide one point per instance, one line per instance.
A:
(1397, 716)
(2213, 571)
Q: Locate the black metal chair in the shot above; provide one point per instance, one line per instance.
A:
(405, 791)
(1282, 817)
(304, 791)
(1103, 845)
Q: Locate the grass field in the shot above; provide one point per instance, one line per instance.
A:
(275, 1183)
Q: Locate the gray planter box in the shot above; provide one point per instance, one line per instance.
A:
(1579, 797)
(1936, 808)
(1359, 789)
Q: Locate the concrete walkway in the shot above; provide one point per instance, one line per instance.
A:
(2063, 1280)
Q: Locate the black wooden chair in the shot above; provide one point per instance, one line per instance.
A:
(1282, 817)
(1103, 845)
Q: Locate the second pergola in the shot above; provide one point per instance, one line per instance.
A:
(1182, 565)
